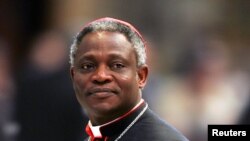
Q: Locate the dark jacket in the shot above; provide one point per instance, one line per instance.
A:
(149, 127)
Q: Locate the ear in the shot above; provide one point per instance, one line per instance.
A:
(142, 76)
(72, 73)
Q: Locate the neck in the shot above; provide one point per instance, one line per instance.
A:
(108, 118)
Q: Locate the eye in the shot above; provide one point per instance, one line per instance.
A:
(87, 67)
(117, 66)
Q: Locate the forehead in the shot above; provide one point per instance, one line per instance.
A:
(104, 40)
(105, 43)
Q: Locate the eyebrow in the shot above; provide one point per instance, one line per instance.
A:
(90, 56)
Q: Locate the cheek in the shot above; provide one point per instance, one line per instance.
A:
(80, 88)
(80, 84)
(129, 82)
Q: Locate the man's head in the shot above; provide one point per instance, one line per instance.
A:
(112, 25)
(108, 68)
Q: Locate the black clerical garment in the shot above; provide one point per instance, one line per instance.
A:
(148, 127)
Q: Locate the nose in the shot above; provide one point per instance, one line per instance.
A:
(101, 75)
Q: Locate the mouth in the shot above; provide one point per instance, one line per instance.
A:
(102, 92)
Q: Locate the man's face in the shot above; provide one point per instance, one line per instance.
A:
(105, 75)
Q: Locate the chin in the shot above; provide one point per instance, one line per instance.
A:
(112, 111)
(104, 108)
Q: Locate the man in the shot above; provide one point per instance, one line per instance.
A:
(108, 70)
(45, 108)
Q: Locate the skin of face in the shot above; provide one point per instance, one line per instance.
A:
(105, 76)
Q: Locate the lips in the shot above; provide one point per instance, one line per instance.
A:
(101, 92)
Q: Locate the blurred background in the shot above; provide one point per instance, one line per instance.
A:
(199, 53)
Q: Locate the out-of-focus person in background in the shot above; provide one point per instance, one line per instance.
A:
(205, 89)
(46, 107)
(155, 78)
(8, 127)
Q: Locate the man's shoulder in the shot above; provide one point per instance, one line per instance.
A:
(152, 127)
